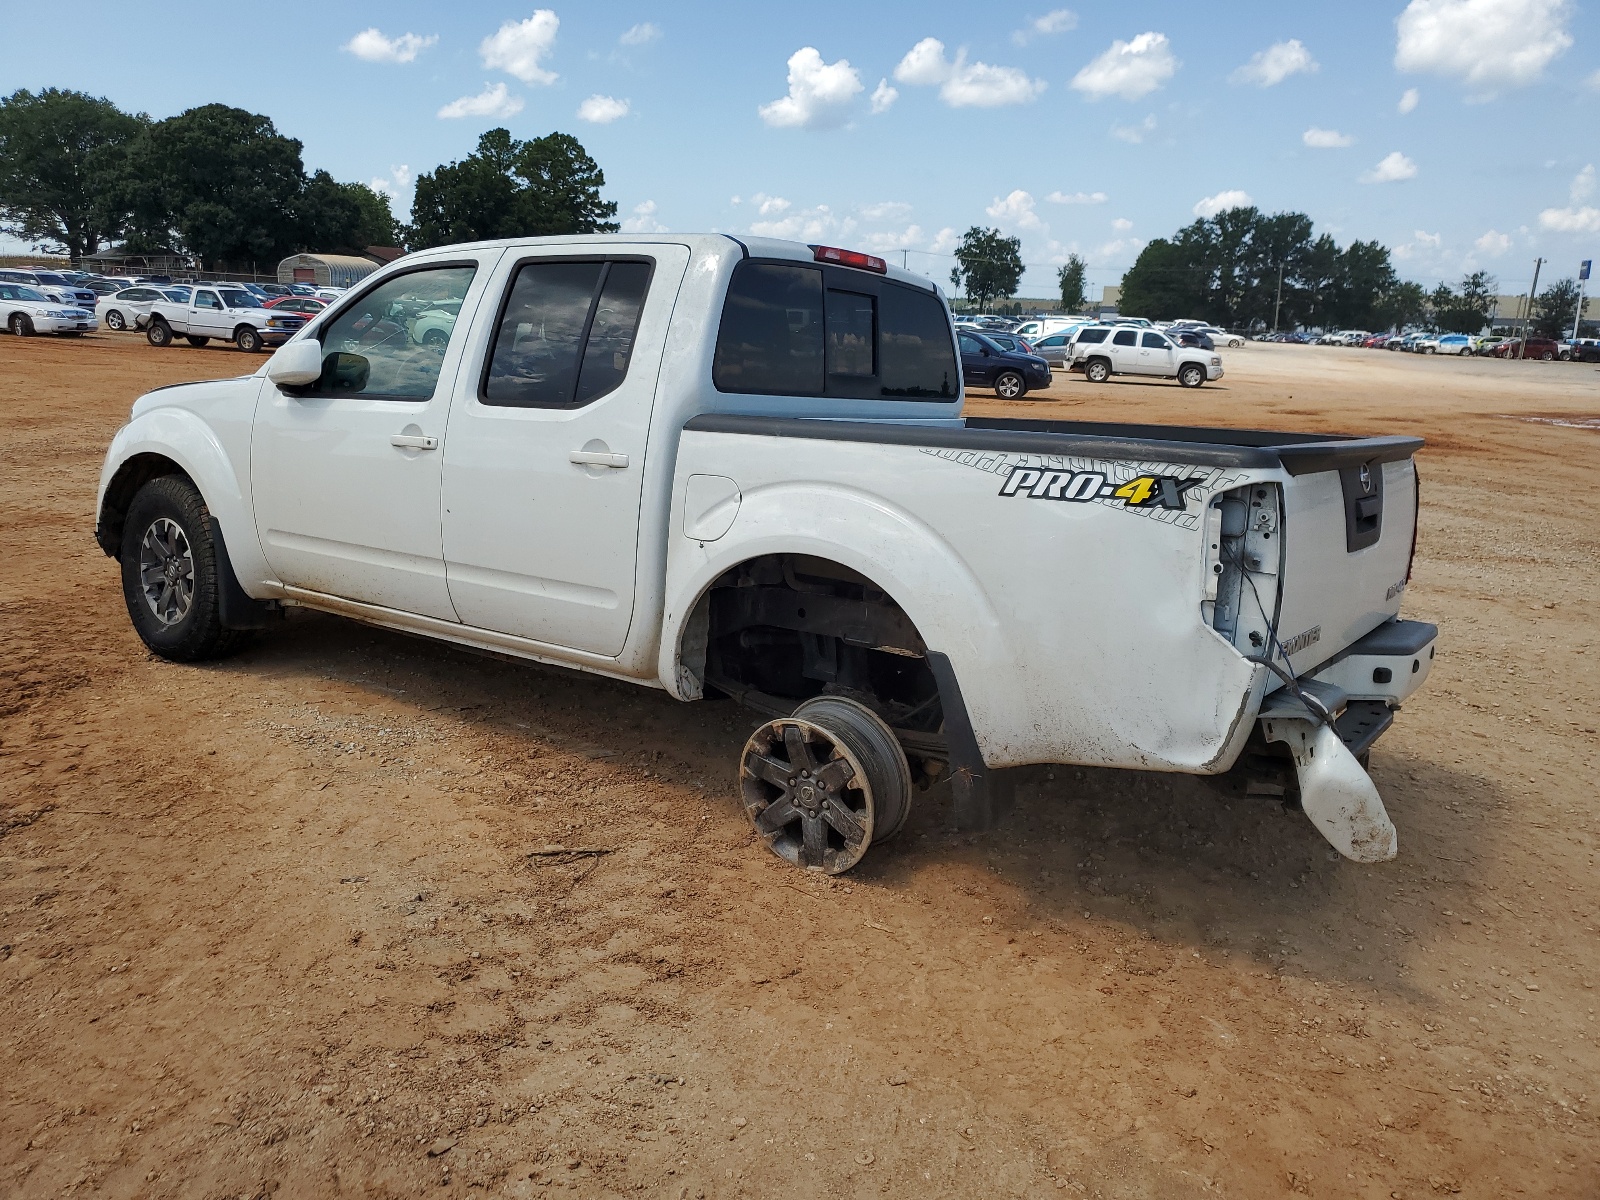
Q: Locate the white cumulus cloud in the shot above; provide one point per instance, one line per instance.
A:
(643, 219)
(767, 205)
(944, 241)
(1128, 69)
(1222, 202)
(1487, 44)
(962, 84)
(1059, 20)
(1392, 168)
(1277, 62)
(1015, 210)
(373, 46)
(639, 35)
(1135, 133)
(493, 101)
(1122, 224)
(1584, 219)
(893, 239)
(602, 110)
(1493, 243)
(1327, 139)
(1593, 82)
(392, 185)
(886, 210)
(1582, 185)
(518, 47)
(1076, 197)
(819, 93)
(883, 96)
(1408, 101)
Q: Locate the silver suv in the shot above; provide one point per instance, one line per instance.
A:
(51, 284)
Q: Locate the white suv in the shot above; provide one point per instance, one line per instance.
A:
(1101, 351)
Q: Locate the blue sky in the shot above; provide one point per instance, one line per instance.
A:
(1459, 132)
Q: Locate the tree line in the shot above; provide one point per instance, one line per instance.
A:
(223, 185)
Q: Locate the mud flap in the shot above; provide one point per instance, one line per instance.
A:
(1335, 792)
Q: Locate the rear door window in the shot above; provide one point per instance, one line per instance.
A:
(798, 330)
(1125, 337)
(1092, 337)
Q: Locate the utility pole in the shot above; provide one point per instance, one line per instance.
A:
(1527, 311)
(1583, 278)
(904, 258)
(1278, 303)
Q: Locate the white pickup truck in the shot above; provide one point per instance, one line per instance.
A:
(739, 468)
(229, 314)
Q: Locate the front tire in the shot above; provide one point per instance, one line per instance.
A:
(1097, 370)
(247, 339)
(1191, 376)
(159, 333)
(818, 787)
(20, 325)
(1010, 386)
(115, 320)
(170, 572)
(197, 342)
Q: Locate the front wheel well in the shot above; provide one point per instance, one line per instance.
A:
(781, 629)
(132, 475)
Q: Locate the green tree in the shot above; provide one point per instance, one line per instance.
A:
(344, 218)
(1468, 310)
(1070, 278)
(1554, 309)
(990, 265)
(61, 156)
(507, 188)
(221, 182)
(1405, 303)
(1167, 281)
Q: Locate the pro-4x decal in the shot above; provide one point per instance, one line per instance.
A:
(1142, 491)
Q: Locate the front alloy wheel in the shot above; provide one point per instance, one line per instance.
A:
(166, 571)
(1010, 385)
(1191, 376)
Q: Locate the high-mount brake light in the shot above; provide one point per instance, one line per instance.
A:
(850, 258)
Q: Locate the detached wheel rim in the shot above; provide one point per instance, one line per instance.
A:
(807, 795)
(166, 571)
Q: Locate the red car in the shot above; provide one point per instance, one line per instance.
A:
(1545, 349)
(297, 304)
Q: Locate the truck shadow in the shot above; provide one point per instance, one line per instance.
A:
(1164, 856)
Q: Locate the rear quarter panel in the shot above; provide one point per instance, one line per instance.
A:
(1074, 628)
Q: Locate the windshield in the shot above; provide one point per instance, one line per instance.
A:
(16, 291)
(240, 300)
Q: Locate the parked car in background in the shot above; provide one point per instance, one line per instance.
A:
(1545, 349)
(985, 363)
(1444, 343)
(1584, 350)
(26, 311)
(1101, 351)
(1191, 337)
(50, 285)
(1036, 330)
(1486, 345)
(130, 307)
(1220, 337)
(1010, 341)
(221, 312)
(307, 306)
(1055, 348)
(107, 287)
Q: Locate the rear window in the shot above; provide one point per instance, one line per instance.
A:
(1092, 337)
(797, 330)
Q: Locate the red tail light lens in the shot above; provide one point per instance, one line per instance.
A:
(850, 258)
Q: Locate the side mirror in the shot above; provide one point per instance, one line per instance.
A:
(346, 372)
(296, 364)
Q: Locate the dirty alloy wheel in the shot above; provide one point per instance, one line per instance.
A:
(814, 787)
(1098, 370)
(1191, 376)
(115, 320)
(158, 333)
(20, 325)
(892, 795)
(247, 339)
(1010, 385)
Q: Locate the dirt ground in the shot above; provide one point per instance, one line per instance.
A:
(281, 924)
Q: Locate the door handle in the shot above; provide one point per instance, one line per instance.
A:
(597, 458)
(413, 441)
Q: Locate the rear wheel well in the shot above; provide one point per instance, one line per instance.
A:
(783, 628)
(132, 475)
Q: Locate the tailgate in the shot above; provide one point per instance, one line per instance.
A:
(1347, 536)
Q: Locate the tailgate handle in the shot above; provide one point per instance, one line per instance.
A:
(1367, 510)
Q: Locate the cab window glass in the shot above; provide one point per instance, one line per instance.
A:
(771, 334)
(612, 329)
(1124, 337)
(390, 344)
(206, 300)
(1092, 337)
(852, 321)
(915, 357)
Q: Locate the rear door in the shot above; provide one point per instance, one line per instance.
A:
(1155, 355)
(1124, 348)
(544, 465)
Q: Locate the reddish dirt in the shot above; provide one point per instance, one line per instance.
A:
(277, 925)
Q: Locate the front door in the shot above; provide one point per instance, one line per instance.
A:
(346, 473)
(977, 363)
(545, 464)
(1155, 355)
(206, 314)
